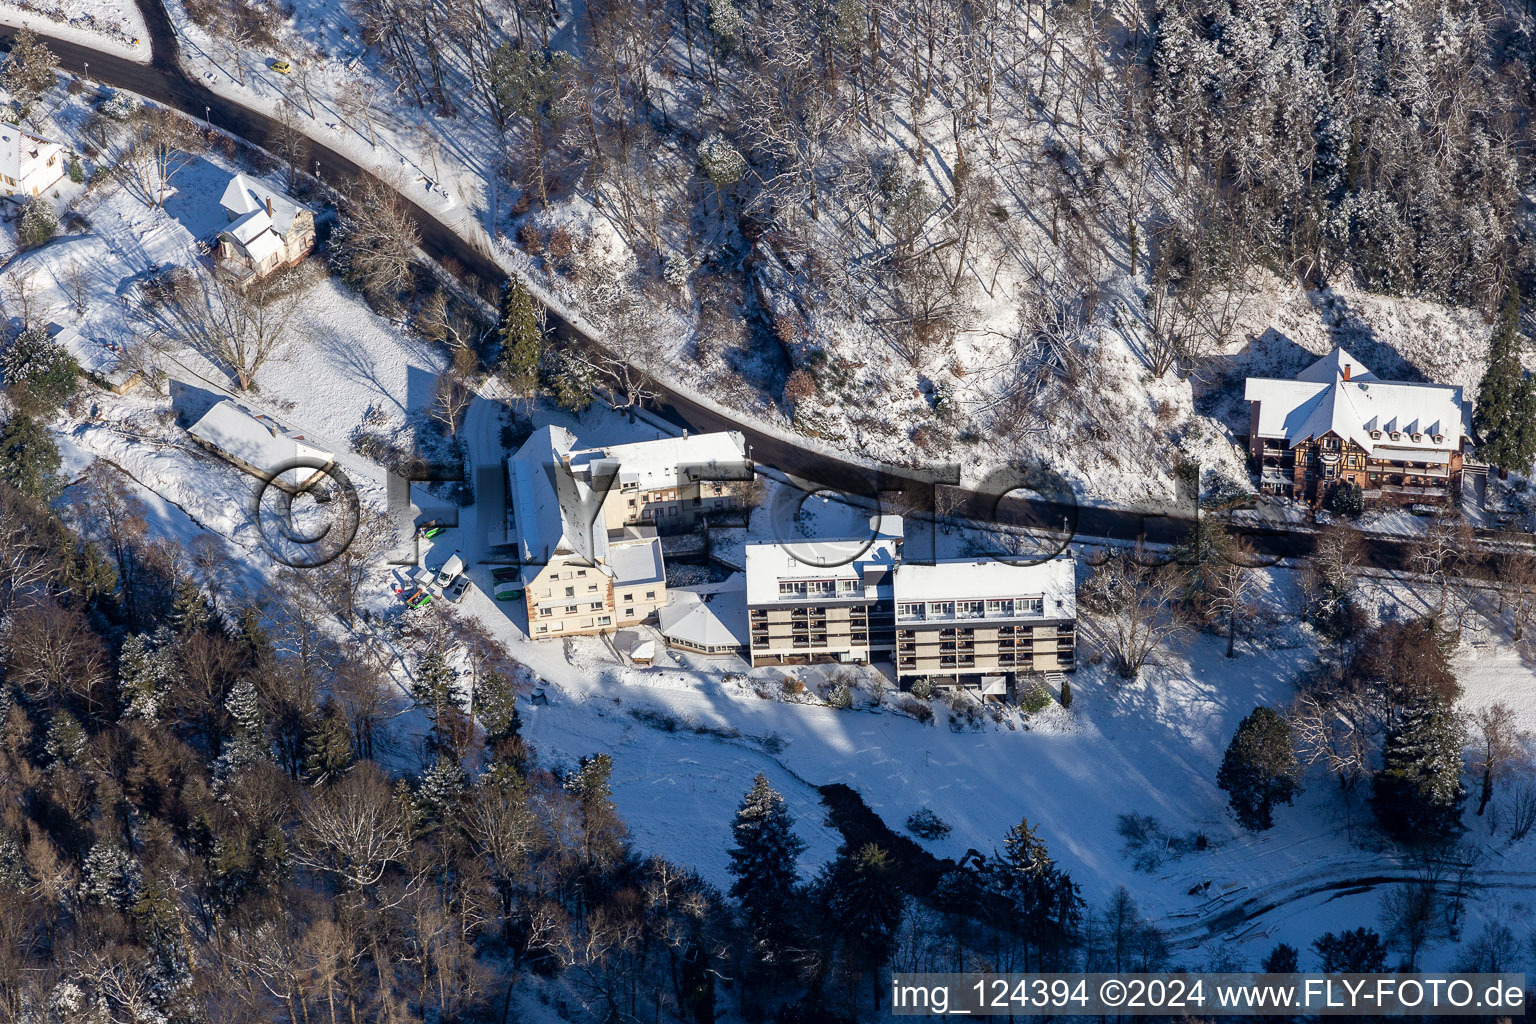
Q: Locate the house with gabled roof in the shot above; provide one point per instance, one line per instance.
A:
(1338, 423)
(267, 230)
(29, 164)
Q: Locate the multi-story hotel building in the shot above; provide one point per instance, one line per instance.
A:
(1336, 423)
(975, 623)
(823, 600)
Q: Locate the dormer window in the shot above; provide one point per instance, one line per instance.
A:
(1396, 435)
(1439, 439)
(1375, 435)
(1417, 438)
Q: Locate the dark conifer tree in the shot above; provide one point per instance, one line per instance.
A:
(764, 862)
(1505, 418)
(1418, 793)
(1259, 769)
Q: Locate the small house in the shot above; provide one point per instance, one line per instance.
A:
(260, 446)
(267, 230)
(29, 164)
(100, 362)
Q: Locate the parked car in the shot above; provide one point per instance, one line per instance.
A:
(456, 592)
(1423, 510)
(282, 67)
(450, 571)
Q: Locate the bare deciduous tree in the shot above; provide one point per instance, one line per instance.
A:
(241, 329)
(1138, 608)
(374, 245)
(1498, 746)
(355, 829)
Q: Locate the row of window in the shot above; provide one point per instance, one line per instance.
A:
(817, 588)
(971, 609)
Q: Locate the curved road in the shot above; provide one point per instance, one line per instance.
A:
(164, 81)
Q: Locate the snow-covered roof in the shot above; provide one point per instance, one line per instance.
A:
(255, 234)
(255, 439)
(1321, 400)
(867, 560)
(100, 359)
(710, 616)
(548, 507)
(963, 579)
(636, 562)
(20, 149)
(667, 461)
(244, 195)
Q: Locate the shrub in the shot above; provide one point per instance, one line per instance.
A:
(531, 239)
(76, 170)
(917, 709)
(1347, 500)
(922, 689)
(792, 687)
(926, 825)
(1034, 697)
(841, 696)
(561, 244)
(1066, 694)
(800, 386)
(38, 223)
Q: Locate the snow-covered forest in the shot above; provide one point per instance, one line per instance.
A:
(971, 231)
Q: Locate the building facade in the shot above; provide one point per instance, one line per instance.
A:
(671, 483)
(827, 600)
(579, 577)
(976, 624)
(1337, 423)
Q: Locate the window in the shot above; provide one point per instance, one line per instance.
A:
(591, 588)
(605, 620)
(546, 612)
(650, 595)
(597, 606)
(941, 609)
(570, 609)
(631, 502)
(1439, 439)
(792, 588)
(910, 609)
(629, 597)
(543, 627)
(1029, 605)
(1376, 435)
(570, 591)
(846, 586)
(629, 613)
(1396, 435)
(1417, 438)
(968, 609)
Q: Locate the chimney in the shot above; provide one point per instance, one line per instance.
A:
(269, 213)
(1346, 365)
